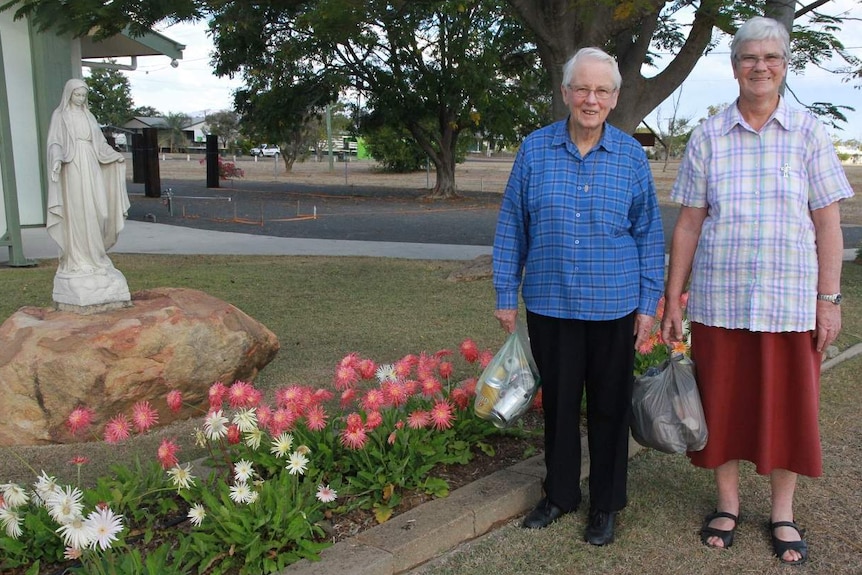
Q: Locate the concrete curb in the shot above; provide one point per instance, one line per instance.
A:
(431, 529)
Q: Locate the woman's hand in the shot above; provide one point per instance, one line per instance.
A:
(828, 324)
(506, 317)
(55, 171)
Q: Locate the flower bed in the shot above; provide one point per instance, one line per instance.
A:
(277, 473)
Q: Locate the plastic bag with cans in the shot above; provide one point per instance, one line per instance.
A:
(508, 385)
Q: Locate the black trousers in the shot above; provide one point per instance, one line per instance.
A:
(572, 355)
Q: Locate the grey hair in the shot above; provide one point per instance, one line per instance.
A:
(760, 28)
(596, 55)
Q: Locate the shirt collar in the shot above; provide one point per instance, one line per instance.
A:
(609, 141)
(782, 115)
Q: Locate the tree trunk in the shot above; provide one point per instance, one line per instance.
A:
(441, 153)
(561, 27)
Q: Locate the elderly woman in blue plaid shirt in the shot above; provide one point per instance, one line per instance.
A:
(759, 234)
(580, 235)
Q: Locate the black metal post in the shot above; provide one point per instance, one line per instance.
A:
(212, 161)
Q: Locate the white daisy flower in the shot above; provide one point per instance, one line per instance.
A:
(72, 553)
(200, 437)
(386, 373)
(215, 425)
(297, 464)
(14, 495)
(686, 327)
(303, 449)
(243, 471)
(11, 521)
(65, 504)
(182, 476)
(281, 445)
(253, 438)
(245, 420)
(105, 525)
(197, 514)
(240, 493)
(45, 486)
(253, 497)
(325, 494)
(76, 533)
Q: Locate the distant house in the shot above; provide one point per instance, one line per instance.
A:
(34, 67)
(195, 131)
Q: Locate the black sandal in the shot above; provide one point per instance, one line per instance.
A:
(726, 535)
(780, 547)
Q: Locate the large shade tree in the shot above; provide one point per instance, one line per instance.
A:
(428, 67)
(633, 30)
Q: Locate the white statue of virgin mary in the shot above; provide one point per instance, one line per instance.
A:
(87, 205)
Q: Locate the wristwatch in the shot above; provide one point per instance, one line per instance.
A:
(831, 297)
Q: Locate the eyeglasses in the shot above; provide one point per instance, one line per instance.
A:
(750, 61)
(584, 93)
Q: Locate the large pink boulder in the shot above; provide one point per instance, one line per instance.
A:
(54, 361)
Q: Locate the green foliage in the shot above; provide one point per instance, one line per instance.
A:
(394, 150)
(109, 96)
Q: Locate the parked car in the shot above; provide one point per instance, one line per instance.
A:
(268, 150)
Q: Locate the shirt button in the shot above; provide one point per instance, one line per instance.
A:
(577, 214)
(577, 242)
(580, 187)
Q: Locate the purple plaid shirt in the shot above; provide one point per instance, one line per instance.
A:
(755, 266)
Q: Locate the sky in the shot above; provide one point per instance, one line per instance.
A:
(193, 89)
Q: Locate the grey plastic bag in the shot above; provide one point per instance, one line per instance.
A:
(667, 413)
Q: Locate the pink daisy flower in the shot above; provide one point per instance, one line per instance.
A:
(287, 395)
(367, 369)
(282, 420)
(431, 386)
(445, 369)
(167, 454)
(174, 400)
(239, 393)
(79, 460)
(216, 394)
(345, 377)
(485, 358)
(354, 438)
(233, 434)
(411, 386)
(315, 418)
(354, 421)
(144, 416)
(418, 419)
(321, 396)
(460, 398)
(349, 360)
(264, 415)
(117, 429)
(441, 415)
(395, 393)
(255, 396)
(80, 418)
(373, 419)
(392, 437)
(373, 400)
(469, 351)
(404, 366)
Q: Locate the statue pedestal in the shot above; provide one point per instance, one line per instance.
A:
(91, 293)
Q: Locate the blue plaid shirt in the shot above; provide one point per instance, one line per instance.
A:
(583, 234)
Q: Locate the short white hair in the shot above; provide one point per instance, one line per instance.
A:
(760, 28)
(596, 55)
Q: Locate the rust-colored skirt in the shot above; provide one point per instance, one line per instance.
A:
(761, 397)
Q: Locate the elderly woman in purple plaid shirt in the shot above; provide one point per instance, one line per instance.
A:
(759, 235)
(579, 233)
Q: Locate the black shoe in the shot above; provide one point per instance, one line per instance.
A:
(542, 515)
(600, 530)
